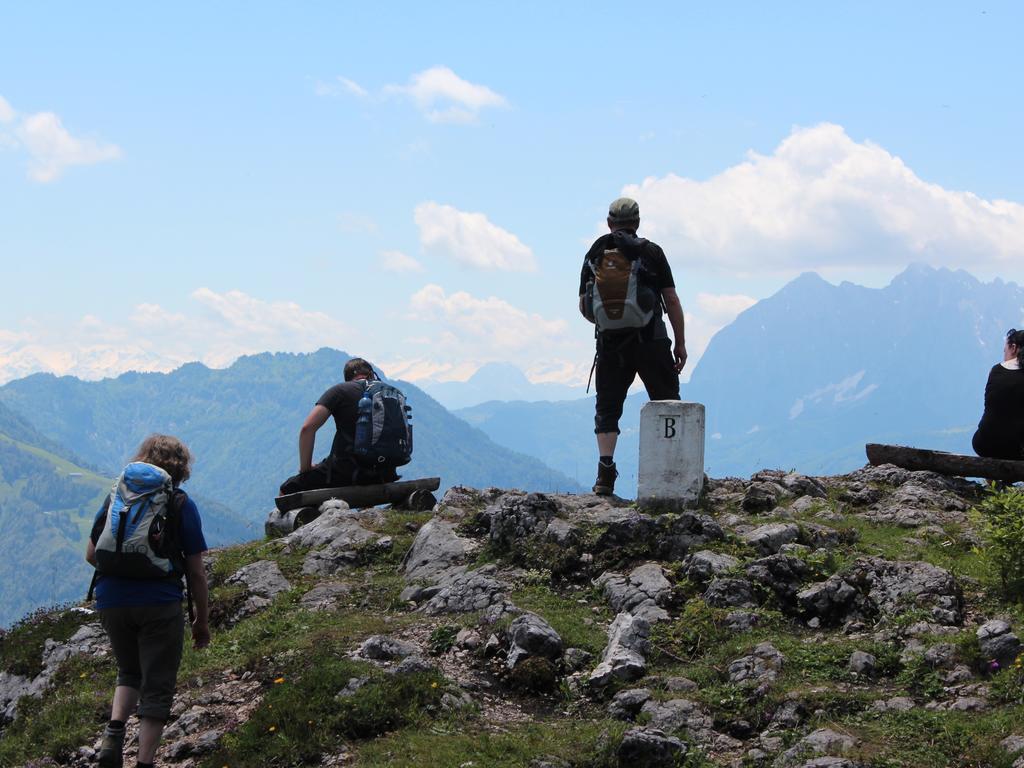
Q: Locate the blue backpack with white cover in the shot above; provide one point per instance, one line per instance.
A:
(139, 538)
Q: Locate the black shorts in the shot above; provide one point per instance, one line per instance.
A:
(619, 363)
(146, 640)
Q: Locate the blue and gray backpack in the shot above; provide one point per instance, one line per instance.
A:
(139, 534)
(383, 435)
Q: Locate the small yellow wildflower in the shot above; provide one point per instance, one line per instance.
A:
(82, 675)
(433, 684)
(272, 728)
(278, 681)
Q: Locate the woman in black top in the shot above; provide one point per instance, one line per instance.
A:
(1000, 434)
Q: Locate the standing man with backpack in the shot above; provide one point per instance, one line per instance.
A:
(625, 283)
(372, 433)
(145, 538)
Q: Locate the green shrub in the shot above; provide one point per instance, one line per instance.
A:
(1000, 521)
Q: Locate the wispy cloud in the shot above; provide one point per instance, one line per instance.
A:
(444, 97)
(471, 239)
(458, 332)
(823, 200)
(396, 261)
(216, 328)
(438, 93)
(338, 86)
(50, 147)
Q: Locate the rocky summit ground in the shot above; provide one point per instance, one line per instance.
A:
(789, 621)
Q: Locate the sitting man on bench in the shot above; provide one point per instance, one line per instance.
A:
(340, 468)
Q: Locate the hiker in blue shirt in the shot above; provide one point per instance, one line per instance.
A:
(145, 538)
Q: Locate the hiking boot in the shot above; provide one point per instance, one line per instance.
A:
(111, 748)
(605, 483)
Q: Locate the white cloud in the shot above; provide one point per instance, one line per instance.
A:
(50, 147)
(710, 313)
(340, 85)
(444, 97)
(456, 333)
(823, 200)
(471, 239)
(396, 261)
(216, 329)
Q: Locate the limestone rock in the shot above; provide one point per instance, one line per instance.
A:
(760, 497)
(769, 539)
(819, 743)
(337, 525)
(436, 550)
(641, 593)
(650, 748)
(730, 593)
(514, 518)
(758, 670)
(467, 592)
(782, 574)
(324, 596)
(862, 663)
(263, 581)
(624, 657)
(998, 642)
(626, 705)
(383, 648)
(701, 567)
(530, 635)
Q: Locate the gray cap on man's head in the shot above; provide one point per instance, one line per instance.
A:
(624, 209)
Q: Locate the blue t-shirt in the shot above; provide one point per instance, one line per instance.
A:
(115, 592)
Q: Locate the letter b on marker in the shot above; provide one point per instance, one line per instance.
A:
(670, 427)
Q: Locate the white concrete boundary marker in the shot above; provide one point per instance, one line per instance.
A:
(671, 473)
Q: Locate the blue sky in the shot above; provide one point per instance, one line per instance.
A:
(417, 184)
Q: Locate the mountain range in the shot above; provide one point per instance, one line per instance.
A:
(497, 381)
(803, 379)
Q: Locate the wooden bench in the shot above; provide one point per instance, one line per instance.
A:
(944, 463)
(297, 509)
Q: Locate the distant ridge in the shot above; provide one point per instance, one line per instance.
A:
(242, 423)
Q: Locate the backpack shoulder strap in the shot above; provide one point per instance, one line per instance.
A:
(174, 507)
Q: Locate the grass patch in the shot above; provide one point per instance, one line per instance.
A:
(73, 714)
(578, 625)
(576, 743)
(922, 739)
(301, 716)
(21, 647)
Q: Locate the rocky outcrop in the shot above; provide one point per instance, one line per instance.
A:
(530, 636)
(624, 657)
(263, 581)
(642, 593)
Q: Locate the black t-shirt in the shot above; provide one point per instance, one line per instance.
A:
(1001, 430)
(342, 400)
(658, 273)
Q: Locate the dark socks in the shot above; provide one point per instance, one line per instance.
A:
(607, 460)
(144, 765)
(116, 725)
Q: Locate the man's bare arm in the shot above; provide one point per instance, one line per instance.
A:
(675, 317)
(307, 436)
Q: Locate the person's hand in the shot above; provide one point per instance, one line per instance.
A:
(200, 634)
(680, 355)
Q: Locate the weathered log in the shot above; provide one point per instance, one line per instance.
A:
(281, 523)
(944, 463)
(358, 496)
